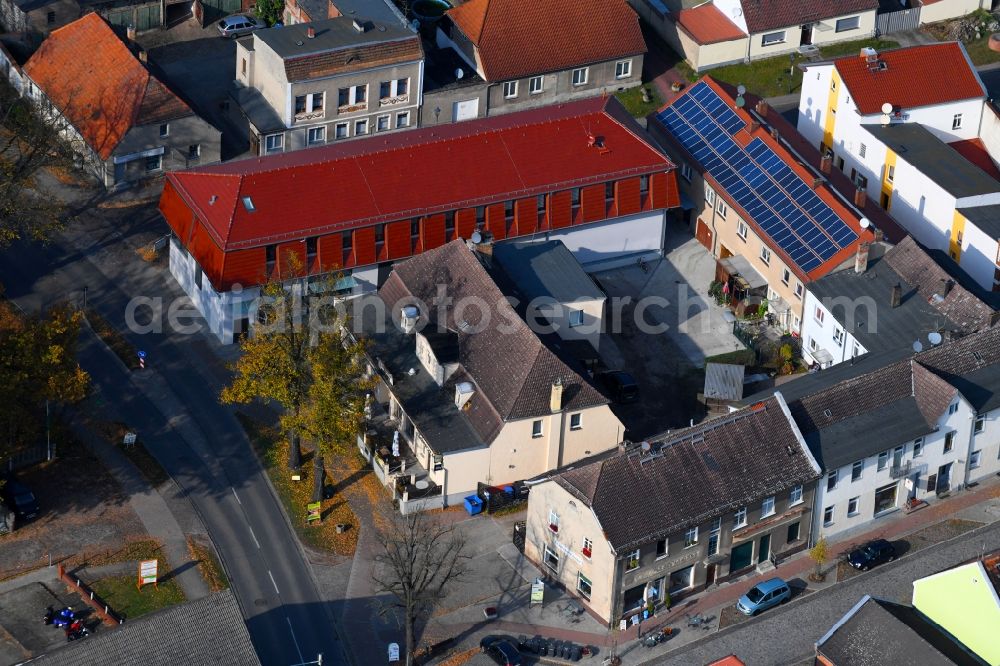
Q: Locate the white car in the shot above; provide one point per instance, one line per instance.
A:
(239, 25)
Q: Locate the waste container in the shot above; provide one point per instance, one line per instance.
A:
(473, 505)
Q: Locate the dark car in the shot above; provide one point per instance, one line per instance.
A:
(872, 553)
(501, 650)
(20, 499)
(621, 386)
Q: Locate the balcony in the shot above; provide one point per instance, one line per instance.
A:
(900, 470)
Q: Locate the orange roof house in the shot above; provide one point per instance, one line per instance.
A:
(87, 73)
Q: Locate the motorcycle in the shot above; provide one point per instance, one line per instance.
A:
(657, 637)
(62, 618)
(76, 631)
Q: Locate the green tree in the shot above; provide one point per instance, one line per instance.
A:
(270, 11)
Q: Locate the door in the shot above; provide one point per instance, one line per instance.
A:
(764, 551)
(704, 235)
(807, 35)
(741, 557)
(465, 110)
(944, 478)
(709, 574)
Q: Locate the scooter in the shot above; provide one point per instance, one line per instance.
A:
(657, 637)
(62, 618)
(76, 631)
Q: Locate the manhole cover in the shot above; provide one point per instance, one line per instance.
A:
(260, 602)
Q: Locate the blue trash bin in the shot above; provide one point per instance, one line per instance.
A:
(473, 505)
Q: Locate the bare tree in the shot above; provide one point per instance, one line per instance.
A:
(420, 555)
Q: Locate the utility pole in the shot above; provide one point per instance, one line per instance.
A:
(48, 434)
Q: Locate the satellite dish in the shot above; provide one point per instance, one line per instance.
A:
(741, 89)
(645, 447)
(740, 102)
(865, 223)
(459, 72)
(737, 11)
(886, 119)
(934, 337)
(887, 108)
(477, 237)
(917, 346)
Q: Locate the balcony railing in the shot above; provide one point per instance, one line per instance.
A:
(899, 470)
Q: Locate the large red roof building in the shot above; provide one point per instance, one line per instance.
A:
(556, 171)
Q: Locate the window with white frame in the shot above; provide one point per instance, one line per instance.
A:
(828, 516)
(952, 408)
(686, 172)
(316, 135)
(852, 506)
(360, 127)
(855, 350)
(576, 421)
(767, 507)
(883, 461)
(980, 424)
(798, 290)
(690, 537)
(274, 143)
(580, 76)
(956, 121)
(510, 89)
(740, 517)
(819, 315)
(588, 547)
(709, 195)
(838, 336)
(575, 318)
(164, 130)
(341, 131)
(831, 480)
(742, 229)
(553, 520)
(849, 23)
(536, 428)
(974, 459)
(713, 535)
(551, 559)
(786, 275)
(918, 447)
(382, 123)
(890, 173)
(632, 560)
(795, 496)
(535, 85)
(154, 162)
(857, 469)
(403, 119)
(770, 38)
(352, 96)
(722, 208)
(796, 322)
(394, 88)
(583, 586)
(623, 69)
(765, 255)
(308, 103)
(813, 345)
(862, 150)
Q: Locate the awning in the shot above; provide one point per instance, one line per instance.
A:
(738, 265)
(822, 356)
(778, 305)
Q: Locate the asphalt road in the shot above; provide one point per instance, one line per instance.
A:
(785, 636)
(174, 406)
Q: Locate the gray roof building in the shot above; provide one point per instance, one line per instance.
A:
(883, 632)
(986, 218)
(691, 475)
(545, 269)
(206, 632)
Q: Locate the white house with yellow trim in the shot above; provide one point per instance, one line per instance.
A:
(925, 151)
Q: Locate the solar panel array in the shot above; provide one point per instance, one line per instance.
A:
(784, 206)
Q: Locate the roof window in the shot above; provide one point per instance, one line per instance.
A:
(248, 204)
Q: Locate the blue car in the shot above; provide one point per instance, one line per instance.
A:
(762, 596)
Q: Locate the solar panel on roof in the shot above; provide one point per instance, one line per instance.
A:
(786, 208)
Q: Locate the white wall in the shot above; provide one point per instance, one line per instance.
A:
(988, 444)
(941, 11)
(733, 10)
(989, 131)
(812, 102)
(823, 333)
(629, 236)
(979, 256)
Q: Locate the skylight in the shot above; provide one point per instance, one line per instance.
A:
(248, 204)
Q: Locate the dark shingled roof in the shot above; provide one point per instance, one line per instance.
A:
(512, 370)
(764, 15)
(877, 632)
(546, 269)
(698, 473)
(206, 632)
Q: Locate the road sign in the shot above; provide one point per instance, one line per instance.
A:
(147, 572)
(314, 510)
(130, 439)
(142, 359)
(537, 592)
(393, 653)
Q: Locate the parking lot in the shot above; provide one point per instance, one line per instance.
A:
(23, 633)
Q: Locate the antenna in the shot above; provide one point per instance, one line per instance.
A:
(934, 337)
(918, 346)
(477, 237)
(740, 102)
(645, 447)
(741, 89)
(886, 119)
(887, 108)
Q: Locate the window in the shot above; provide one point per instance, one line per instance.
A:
(952, 408)
(833, 85)
(686, 173)
(510, 89)
(813, 345)
(974, 459)
(852, 506)
(154, 162)
(883, 460)
(765, 255)
(792, 533)
(795, 496)
(403, 119)
(949, 442)
(740, 517)
(856, 470)
(300, 104)
(317, 135)
(691, 537)
(576, 421)
(855, 350)
(885, 499)
(849, 23)
(862, 150)
(980, 424)
(767, 507)
(194, 151)
(588, 547)
(402, 86)
(661, 548)
(340, 131)
(786, 275)
(956, 121)
(343, 97)
(710, 195)
(827, 516)
(580, 76)
(50, 18)
(535, 84)
(742, 230)
(273, 143)
(382, 123)
(831, 480)
(350, 96)
(819, 315)
(438, 463)
(583, 585)
(623, 69)
(838, 336)
(360, 94)
(551, 559)
(243, 66)
(536, 428)
(553, 521)
(890, 174)
(918, 446)
(632, 560)
(360, 127)
(723, 208)
(796, 322)
(384, 89)
(772, 38)
(713, 536)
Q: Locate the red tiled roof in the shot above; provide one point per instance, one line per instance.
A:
(764, 15)
(418, 172)
(974, 150)
(98, 85)
(707, 25)
(517, 38)
(915, 76)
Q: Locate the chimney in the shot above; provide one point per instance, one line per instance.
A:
(861, 258)
(774, 133)
(897, 295)
(311, 32)
(762, 107)
(143, 57)
(463, 393)
(817, 181)
(555, 398)
(130, 32)
(754, 125)
(948, 284)
(826, 164)
(408, 318)
(860, 198)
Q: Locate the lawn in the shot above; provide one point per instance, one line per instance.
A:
(631, 99)
(122, 595)
(208, 565)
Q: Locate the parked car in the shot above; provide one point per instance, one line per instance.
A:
(872, 553)
(501, 650)
(20, 499)
(621, 386)
(764, 595)
(239, 25)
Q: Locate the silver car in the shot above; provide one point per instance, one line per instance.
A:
(239, 25)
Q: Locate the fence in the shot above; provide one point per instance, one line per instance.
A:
(107, 614)
(26, 457)
(904, 19)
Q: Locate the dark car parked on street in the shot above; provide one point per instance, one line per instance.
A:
(20, 499)
(501, 650)
(872, 553)
(621, 386)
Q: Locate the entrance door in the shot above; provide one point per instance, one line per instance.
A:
(764, 551)
(944, 479)
(704, 235)
(465, 110)
(807, 35)
(741, 557)
(709, 574)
